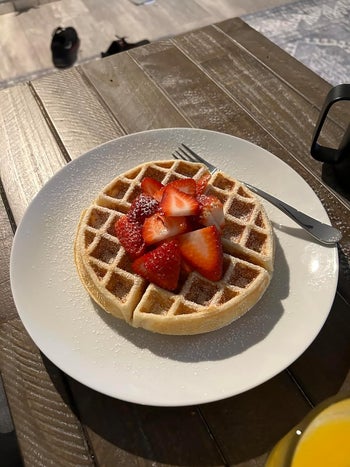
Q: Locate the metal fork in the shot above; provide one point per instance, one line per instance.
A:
(324, 233)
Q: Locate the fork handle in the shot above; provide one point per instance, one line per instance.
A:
(323, 232)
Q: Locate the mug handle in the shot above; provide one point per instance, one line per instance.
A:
(322, 153)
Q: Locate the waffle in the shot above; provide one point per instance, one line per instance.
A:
(198, 305)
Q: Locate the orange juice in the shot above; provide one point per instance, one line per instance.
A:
(326, 441)
(322, 439)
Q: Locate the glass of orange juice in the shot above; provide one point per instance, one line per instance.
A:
(321, 439)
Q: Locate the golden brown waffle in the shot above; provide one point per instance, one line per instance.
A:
(198, 305)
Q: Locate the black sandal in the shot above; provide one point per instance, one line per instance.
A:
(64, 47)
(120, 45)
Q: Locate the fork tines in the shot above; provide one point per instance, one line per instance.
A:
(185, 153)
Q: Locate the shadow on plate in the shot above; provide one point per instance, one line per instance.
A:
(224, 343)
(297, 232)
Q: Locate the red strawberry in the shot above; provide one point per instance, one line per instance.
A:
(161, 265)
(202, 250)
(129, 234)
(186, 185)
(143, 206)
(158, 227)
(150, 186)
(185, 267)
(159, 194)
(178, 203)
(211, 211)
(202, 183)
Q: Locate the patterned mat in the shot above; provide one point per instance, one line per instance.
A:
(316, 32)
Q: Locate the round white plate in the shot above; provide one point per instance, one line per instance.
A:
(113, 358)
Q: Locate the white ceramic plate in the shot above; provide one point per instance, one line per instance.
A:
(113, 358)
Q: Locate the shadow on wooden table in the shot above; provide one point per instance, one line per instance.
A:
(324, 367)
(235, 430)
(9, 451)
(328, 176)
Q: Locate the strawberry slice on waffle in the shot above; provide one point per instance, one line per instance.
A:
(161, 265)
(159, 227)
(202, 250)
(177, 203)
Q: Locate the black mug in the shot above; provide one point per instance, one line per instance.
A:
(339, 158)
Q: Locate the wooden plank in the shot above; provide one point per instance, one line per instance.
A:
(135, 101)
(311, 87)
(196, 96)
(264, 95)
(324, 367)
(78, 117)
(305, 81)
(29, 154)
(47, 429)
(7, 308)
(40, 154)
(131, 434)
(247, 426)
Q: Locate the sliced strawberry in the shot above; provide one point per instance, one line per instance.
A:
(202, 250)
(161, 265)
(158, 227)
(159, 194)
(129, 234)
(185, 267)
(186, 185)
(211, 211)
(143, 206)
(150, 186)
(178, 203)
(202, 183)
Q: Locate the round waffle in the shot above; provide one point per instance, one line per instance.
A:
(198, 305)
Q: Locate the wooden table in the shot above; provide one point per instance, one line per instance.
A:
(224, 77)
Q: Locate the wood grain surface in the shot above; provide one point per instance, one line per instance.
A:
(226, 78)
(79, 120)
(29, 153)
